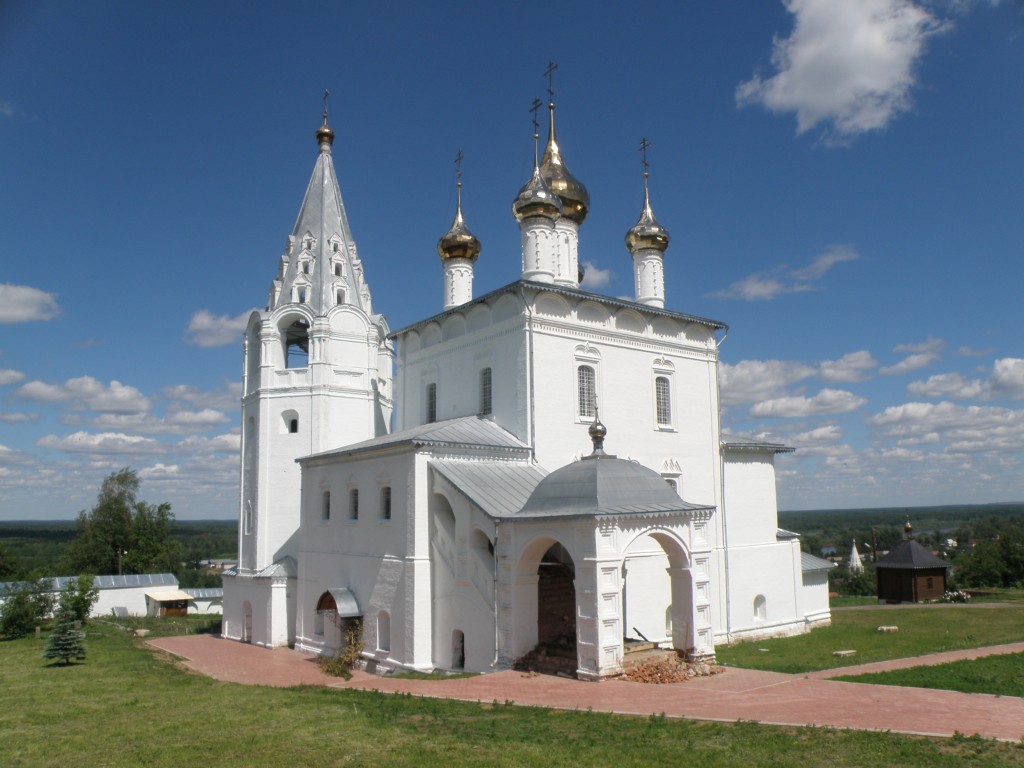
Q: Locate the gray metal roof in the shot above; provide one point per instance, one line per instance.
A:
(286, 567)
(810, 564)
(465, 432)
(499, 488)
(204, 593)
(126, 581)
(578, 293)
(346, 603)
(604, 485)
(781, 534)
(909, 555)
(747, 443)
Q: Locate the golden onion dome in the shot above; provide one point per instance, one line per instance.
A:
(324, 133)
(574, 196)
(458, 242)
(647, 233)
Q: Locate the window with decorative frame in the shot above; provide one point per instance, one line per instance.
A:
(586, 392)
(353, 504)
(663, 401)
(385, 503)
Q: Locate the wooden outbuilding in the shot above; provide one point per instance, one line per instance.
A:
(909, 573)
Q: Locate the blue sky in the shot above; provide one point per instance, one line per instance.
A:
(843, 184)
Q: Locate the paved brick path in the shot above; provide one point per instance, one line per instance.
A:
(738, 694)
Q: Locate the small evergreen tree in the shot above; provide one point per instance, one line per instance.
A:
(67, 641)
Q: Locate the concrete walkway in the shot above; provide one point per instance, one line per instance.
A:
(738, 694)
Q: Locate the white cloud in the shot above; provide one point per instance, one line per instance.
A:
(966, 351)
(159, 471)
(226, 443)
(947, 385)
(103, 442)
(853, 366)
(1008, 378)
(174, 423)
(15, 417)
(9, 376)
(594, 277)
(848, 66)
(921, 355)
(23, 304)
(967, 429)
(226, 399)
(87, 392)
(751, 380)
(827, 401)
(765, 286)
(208, 330)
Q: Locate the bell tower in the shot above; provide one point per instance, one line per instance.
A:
(317, 375)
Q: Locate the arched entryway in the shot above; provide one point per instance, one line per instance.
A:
(657, 590)
(556, 599)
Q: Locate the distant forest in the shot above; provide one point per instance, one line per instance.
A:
(821, 529)
(34, 548)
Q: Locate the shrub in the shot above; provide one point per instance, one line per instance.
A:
(25, 607)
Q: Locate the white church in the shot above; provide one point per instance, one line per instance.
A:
(538, 465)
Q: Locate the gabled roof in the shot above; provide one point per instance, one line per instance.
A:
(747, 443)
(499, 488)
(909, 555)
(576, 293)
(811, 564)
(465, 432)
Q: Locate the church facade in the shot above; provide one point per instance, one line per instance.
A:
(556, 474)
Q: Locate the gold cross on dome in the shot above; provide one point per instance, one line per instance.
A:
(550, 74)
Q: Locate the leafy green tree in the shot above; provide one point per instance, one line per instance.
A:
(25, 606)
(67, 640)
(122, 534)
(7, 565)
(983, 566)
(78, 597)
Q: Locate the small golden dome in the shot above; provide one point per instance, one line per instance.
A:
(324, 134)
(458, 242)
(574, 196)
(647, 233)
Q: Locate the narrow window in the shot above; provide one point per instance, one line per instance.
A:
(760, 608)
(385, 502)
(383, 631)
(663, 400)
(485, 391)
(293, 426)
(586, 384)
(325, 508)
(353, 504)
(337, 270)
(340, 296)
(431, 403)
(248, 517)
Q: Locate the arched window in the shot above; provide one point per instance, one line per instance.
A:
(586, 385)
(296, 344)
(663, 401)
(760, 608)
(385, 503)
(325, 506)
(431, 414)
(485, 391)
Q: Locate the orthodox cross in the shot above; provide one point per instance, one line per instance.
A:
(458, 166)
(644, 146)
(326, 94)
(550, 73)
(533, 108)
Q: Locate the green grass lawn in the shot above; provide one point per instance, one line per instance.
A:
(923, 630)
(126, 706)
(999, 675)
